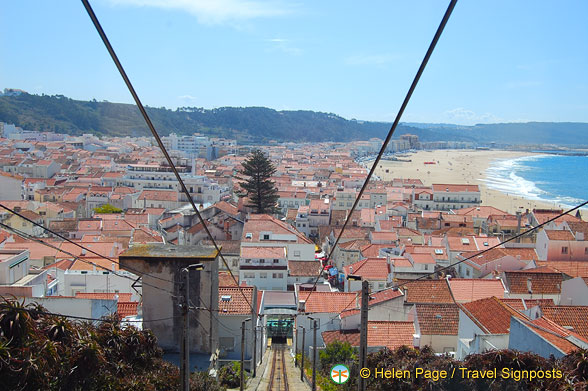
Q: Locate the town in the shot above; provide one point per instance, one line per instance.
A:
(94, 227)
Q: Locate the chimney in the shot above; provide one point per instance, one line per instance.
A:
(518, 225)
(301, 305)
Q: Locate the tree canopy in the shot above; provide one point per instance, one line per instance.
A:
(107, 208)
(258, 187)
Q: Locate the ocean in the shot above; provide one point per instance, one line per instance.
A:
(558, 179)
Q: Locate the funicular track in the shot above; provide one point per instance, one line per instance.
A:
(278, 380)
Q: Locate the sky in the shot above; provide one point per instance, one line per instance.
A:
(497, 60)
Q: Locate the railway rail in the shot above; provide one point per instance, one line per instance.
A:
(278, 380)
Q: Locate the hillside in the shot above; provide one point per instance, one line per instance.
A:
(60, 114)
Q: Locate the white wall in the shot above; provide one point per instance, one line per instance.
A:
(10, 188)
(574, 292)
(99, 282)
(89, 308)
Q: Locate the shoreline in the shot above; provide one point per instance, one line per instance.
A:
(462, 166)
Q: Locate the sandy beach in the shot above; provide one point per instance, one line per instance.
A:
(459, 167)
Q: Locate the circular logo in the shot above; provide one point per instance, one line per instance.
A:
(339, 374)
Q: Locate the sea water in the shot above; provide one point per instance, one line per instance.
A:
(558, 179)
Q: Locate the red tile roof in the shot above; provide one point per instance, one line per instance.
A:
(159, 195)
(577, 226)
(574, 318)
(543, 215)
(370, 269)
(427, 291)
(303, 268)
(232, 302)
(571, 268)
(329, 302)
(533, 281)
(124, 297)
(480, 211)
(274, 252)
(373, 250)
(266, 223)
(524, 304)
(455, 188)
(559, 234)
(391, 334)
(438, 319)
(420, 258)
(464, 289)
(225, 279)
(127, 308)
(491, 315)
(384, 295)
(554, 334)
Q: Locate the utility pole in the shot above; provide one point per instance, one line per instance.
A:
(296, 348)
(242, 385)
(254, 327)
(302, 361)
(363, 332)
(184, 349)
(313, 352)
(184, 344)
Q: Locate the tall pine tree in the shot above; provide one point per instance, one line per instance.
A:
(259, 188)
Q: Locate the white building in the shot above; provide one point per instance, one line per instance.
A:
(264, 267)
(156, 177)
(446, 196)
(266, 231)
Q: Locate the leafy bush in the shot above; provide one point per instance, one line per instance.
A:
(230, 375)
(107, 208)
(47, 352)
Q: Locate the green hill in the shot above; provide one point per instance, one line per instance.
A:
(60, 114)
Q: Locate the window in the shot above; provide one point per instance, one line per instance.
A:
(564, 250)
(249, 275)
(586, 251)
(276, 261)
(248, 261)
(227, 343)
(235, 263)
(278, 275)
(468, 272)
(296, 253)
(265, 236)
(426, 267)
(263, 275)
(262, 261)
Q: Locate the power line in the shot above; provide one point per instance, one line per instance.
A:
(394, 126)
(426, 276)
(37, 240)
(79, 245)
(105, 319)
(156, 135)
(498, 245)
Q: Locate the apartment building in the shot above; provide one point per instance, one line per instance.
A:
(157, 177)
(264, 267)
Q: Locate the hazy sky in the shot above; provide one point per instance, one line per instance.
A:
(497, 61)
